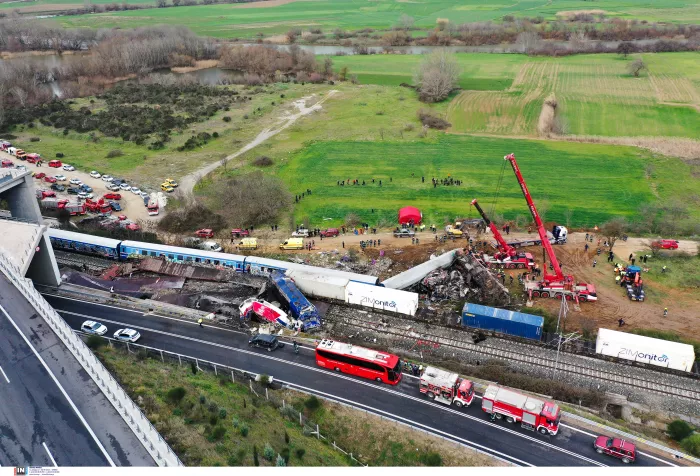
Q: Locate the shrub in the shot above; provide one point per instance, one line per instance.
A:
(285, 454)
(202, 399)
(227, 118)
(679, 430)
(95, 342)
(431, 459)
(193, 366)
(218, 433)
(235, 422)
(59, 155)
(432, 121)
(286, 437)
(175, 395)
(244, 431)
(692, 444)
(213, 407)
(263, 161)
(142, 355)
(312, 403)
(300, 453)
(268, 452)
(222, 413)
(114, 153)
(232, 460)
(213, 420)
(215, 135)
(280, 461)
(34, 139)
(255, 456)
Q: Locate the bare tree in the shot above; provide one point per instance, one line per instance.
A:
(406, 22)
(437, 76)
(20, 95)
(161, 3)
(527, 41)
(626, 47)
(176, 3)
(636, 67)
(328, 67)
(613, 229)
(568, 214)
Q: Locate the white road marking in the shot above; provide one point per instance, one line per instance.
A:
(4, 375)
(49, 453)
(60, 387)
(316, 369)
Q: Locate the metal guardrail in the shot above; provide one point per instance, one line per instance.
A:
(154, 443)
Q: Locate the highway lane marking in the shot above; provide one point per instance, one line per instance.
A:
(49, 453)
(60, 387)
(4, 375)
(316, 369)
(377, 411)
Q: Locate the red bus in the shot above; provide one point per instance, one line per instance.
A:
(354, 360)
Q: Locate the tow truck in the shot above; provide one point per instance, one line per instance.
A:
(446, 387)
(555, 285)
(507, 256)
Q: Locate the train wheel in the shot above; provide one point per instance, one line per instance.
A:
(545, 294)
(510, 419)
(521, 266)
(431, 395)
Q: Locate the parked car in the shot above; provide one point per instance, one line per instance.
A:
(95, 174)
(58, 187)
(112, 196)
(301, 233)
(136, 190)
(49, 179)
(73, 190)
(404, 233)
(61, 178)
(143, 194)
(69, 168)
(7, 164)
(112, 187)
(166, 187)
(107, 178)
(57, 164)
(665, 244)
(330, 232)
(205, 233)
(85, 188)
(85, 195)
(117, 182)
(115, 206)
(127, 335)
(171, 182)
(266, 341)
(39, 175)
(616, 447)
(93, 327)
(238, 232)
(125, 186)
(75, 181)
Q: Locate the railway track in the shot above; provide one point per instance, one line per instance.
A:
(591, 372)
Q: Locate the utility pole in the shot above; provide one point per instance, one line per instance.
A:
(561, 320)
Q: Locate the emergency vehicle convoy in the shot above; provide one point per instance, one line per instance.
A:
(359, 361)
(533, 413)
(446, 387)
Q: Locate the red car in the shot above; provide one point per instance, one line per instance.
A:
(122, 217)
(205, 233)
(55, 164)
(238, 232)
(112, 196)
(50, 179)
(665, 244)
(624, 450)
(330, 232)
(40, 175)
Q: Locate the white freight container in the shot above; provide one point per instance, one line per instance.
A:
(378, 297)
(648, 350)
(319, 285)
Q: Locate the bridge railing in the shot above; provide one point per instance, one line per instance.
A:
(154, 443)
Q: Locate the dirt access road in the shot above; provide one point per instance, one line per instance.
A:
(188, 182)
(132, 204)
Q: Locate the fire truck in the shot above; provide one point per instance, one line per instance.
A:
(533, 413)
(507, 256)
(446, 387)
(555, 285)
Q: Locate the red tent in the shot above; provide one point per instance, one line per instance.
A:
(406, 214)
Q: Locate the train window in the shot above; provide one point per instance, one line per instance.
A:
(153, 253)
(188, 258)
(198, 260)
(208, 261)
(180, 257)
(171, 256)
(144, 252)
(216, 262)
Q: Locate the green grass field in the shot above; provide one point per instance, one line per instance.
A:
(503, 93)
(227, 20)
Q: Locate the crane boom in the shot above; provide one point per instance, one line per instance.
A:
(558, 274)
(505, 247)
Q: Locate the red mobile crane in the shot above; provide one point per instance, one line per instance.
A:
(507, 257)
(552, 285)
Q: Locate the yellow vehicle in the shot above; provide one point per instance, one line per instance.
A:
(248, 244)
(293, 244)
(452, 231)
(166, 187)
(171, 182)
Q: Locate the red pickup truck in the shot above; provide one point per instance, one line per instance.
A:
(205, 233)
(330, 232)
(665, 244)
(238, 232)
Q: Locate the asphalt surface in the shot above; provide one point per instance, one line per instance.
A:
(403, 402)
(38, 426)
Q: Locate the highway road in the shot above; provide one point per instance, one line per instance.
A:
(471, 427)
(39, 423)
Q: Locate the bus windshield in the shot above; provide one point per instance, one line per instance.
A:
(396, 371)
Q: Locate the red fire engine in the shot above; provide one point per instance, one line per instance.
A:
(533, 413)
(446, 387)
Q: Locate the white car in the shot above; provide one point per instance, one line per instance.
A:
(93, 327)
(301, 233)
(60, 178)
(127, 335)
(85, 195)
(125, 186)
(136, 190)
(75, 181)
(95, 174)
(144, 194)
(107, 178)
(69, 168)
(112, 187)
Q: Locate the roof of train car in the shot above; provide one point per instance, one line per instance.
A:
(83, 238)
(362, 278)
(183, 251)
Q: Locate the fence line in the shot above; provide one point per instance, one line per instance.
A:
(154, 443)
